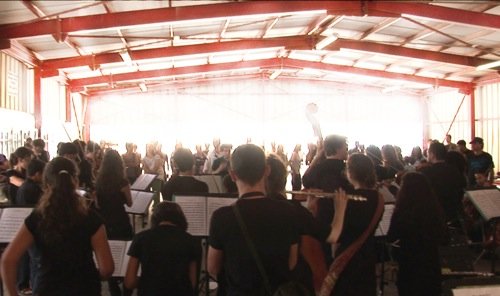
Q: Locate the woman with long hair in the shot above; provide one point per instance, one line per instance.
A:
(19, 161)
(113, 192)
(65, 232)
(167, 254)
(417, 228)
(354, 219)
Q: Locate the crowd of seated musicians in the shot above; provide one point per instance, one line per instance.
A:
(326, 248)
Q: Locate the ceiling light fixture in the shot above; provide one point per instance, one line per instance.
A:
(488, 66)
(326, 41)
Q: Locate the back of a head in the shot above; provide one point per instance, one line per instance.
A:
(373, 152)
(39, 143)
(438, 150)
(276, 181)
(248, 162)
(457, 160)
(167, 211)
(360, 168)
(35, 166)
(111, 171)
(20, 153)
(184, 159)
(67, 149)
(333, 143)
(60, 206)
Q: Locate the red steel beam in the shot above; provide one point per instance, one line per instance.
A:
(19, 52)
(436, 12)
(163, 15)
(293, 43)
(78, 83)
(227, 10)
(408, 52)
(299, 42)
(377, 73)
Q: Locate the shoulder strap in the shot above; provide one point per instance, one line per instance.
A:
(341, 261)
(251, 247)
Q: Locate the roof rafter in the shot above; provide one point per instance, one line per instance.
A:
(78, 84)
(231, 9)
(291, 43)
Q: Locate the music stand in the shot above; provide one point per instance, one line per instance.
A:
(198, 209)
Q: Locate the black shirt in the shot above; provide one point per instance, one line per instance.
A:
(328, 175)
(481, 163)
(29, 193)
(361, 268)
(165, 253)
(182, 184)
(272, 227)
(68, 267)
(12, 189)
(449, 185)
(111, 207)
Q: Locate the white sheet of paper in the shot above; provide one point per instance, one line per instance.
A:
(140, 202)
(477, 291)
(195, 210)
(487, 202)
(142, 182)
(385, 222)
(11, 219)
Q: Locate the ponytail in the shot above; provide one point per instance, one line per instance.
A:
(60, 207)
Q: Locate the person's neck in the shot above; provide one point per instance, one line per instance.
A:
(337, 157)
(185, 173)
(167, 223)
(479, 152)
(244, 188)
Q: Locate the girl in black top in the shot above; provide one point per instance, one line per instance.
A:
(19, 161)
(417, 227)
(350, 221)
(113, 192)
(66, 233)
(167, 254)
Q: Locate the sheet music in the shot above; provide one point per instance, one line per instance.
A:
(487, 202)
(143, 182)
(140, 202)
(195, 210)
(385, 222)
(388, 196)
(213, 203)
(214, 183)
(11, 219)
(118, 251)
(477, 291)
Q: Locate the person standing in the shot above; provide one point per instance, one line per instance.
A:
(66, 233)
(417, 229)
(270, 224)
(479, 161)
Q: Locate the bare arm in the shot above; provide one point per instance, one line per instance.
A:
(102, 252)
(214, 261)
(192, 273)
(338, 219)
(128, 195)
(16, 181)
(131, 278)
(11, 257)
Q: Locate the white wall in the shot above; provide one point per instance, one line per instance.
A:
(488, 119)
(261, 109)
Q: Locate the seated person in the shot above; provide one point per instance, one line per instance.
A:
(183, 182)
(166, 253)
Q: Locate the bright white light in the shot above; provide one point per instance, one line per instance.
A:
(488, 66)
(326, 41)
(275, 74)
(143, 87)
(126, 57)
